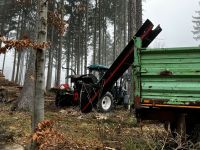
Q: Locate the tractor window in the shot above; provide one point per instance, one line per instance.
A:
(97, 74)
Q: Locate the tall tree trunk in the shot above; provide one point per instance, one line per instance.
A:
(51, 50)
(95, 34)
(125, 23)
(132, 19)
(68, 53)
(14, 66)
(131, 32)
(121, 27)
(103, 43)
(72, 54)
(20, 53)
(38, 111)
(4, 60)
(18, 67)
(14, 63)
(103, 31)
(86, 37)
(114, 43)
(79, 45)
(26, 97)
(81, 56)
(2, 31)
(50, 62)
(78, 55)
(21, 68)
(138, 14)
(56, 65)
(99, 50)
(60, 49)
(105, 48)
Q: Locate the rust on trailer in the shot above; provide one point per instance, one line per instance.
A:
(163, 103)
(174, 106)
(153, 102)
(166, 73)
(137, 102)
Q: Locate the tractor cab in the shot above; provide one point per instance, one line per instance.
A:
(95, 74)
(97, 70)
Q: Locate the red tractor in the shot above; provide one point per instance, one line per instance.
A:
(83, 84)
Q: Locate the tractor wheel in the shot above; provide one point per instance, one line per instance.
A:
(105, 104)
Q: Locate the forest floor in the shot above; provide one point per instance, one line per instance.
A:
(116, 130)
(74, 130)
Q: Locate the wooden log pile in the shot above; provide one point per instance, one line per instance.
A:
(8, 89)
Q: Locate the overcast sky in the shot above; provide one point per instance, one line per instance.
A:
(175, 18)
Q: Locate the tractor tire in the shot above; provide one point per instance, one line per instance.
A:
(106, 103)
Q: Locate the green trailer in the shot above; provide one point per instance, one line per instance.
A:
(167, 85)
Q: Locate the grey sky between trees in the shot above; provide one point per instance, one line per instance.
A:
(174, 16)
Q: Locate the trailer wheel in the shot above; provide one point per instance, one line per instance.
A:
(194, 132)
(178, 127)
(105, 104)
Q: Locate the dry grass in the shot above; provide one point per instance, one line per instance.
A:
(117, 130)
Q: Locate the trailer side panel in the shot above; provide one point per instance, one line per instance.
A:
(170, 77)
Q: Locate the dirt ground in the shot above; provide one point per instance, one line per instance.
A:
(115, 130)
